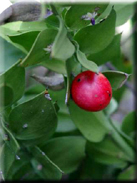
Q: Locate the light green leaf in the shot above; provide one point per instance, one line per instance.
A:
(33, 119)
(37, 53)
(12, 82)
(116, 78)
(68, 152)
(93, 125)
(113, 105)
(93, 39)
(111, 53)
(54, 65)
(124, 12)
(74, 14)
(19, 27)
(9, 56)
(62, 47)
(85, 62)
(128, 124)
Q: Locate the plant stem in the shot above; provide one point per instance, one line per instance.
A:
(122, 143)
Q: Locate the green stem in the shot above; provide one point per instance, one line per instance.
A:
(122, 143)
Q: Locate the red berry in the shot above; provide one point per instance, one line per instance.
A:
(91, 91)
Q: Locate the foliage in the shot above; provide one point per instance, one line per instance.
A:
(44, 134)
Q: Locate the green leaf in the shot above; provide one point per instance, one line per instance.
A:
(124, 12)
(85, 62)
(92, 170)
(33, 119)
(16, 171)
(93, 125)
(8, 56)
(8, 153)
(128, 124)
(37, 53)
(128, 174)
(52, 21)
(93, 39)
(111, 53)
(110, 109)
(65, 124)
(49, 171)
(74, 14)
(62, 47)
(19, 27)
(59, 97)
(26, 172)
(116, 78)
(125, 143)
(13, 80)
(21, 41)
(106, 152)
(55, 65)
(68, 152)
(6, 95)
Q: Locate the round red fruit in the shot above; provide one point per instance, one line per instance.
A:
(91, 91)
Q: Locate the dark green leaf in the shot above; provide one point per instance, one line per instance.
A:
(21, 41)
(74, 14)
(48, 170)
(33, 119)
(62, 47)
(92, 170)
(26, 172)
(128, 174)
(6, 95)
(110, 53)
(93, 39)
(19, 168)
(68, 152)
(13, 83)
(37, 53)
(116, 78)
(52, 21)
(106, 152)
(8, 153)
(93, 125)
